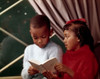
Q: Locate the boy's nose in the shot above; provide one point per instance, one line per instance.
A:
(39, 41)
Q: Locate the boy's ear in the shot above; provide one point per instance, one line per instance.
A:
(51, 32)
(30, 32)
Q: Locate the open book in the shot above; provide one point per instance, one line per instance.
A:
(48, 65)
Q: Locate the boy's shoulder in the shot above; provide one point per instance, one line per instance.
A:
(50, 45)
(30, 46)
(53, 45)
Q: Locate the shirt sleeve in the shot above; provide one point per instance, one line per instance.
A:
(26, 65)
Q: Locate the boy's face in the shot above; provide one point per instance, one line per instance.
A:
(71, 40)
(40, 36)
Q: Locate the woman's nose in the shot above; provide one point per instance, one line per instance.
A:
(64, 40)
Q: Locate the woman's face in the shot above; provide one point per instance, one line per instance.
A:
(71, 41)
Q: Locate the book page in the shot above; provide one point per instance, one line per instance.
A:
(37, 65)
(49, 64)
(35, 62)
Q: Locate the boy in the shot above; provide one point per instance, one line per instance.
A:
(42, 49)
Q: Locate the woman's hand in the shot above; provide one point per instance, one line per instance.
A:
(61, 68)
(64, 69)
(32, 70)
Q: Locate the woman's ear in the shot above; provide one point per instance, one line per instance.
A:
(78, 40)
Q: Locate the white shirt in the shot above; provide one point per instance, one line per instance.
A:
(33, 52)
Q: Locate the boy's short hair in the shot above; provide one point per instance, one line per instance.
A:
(39, 21)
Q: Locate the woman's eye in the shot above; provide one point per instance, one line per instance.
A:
(67, 37)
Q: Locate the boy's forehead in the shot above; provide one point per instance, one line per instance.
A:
(38, 26)
(39, 30)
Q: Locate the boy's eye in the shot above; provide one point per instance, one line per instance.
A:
(67, 36)
(43, 36)
(35, 37)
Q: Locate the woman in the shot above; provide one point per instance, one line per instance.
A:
(79, 62)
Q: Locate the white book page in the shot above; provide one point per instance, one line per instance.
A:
(47, 65)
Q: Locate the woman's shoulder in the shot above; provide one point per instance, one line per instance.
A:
(88, 54)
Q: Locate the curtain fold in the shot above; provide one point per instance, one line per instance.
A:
(61, 11)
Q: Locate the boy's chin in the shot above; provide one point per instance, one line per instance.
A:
(42, 46)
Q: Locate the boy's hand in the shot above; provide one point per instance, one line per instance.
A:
(49, 75)
(32, 70)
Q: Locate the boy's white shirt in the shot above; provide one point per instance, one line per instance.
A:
(40, 54)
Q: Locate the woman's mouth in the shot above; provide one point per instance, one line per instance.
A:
(66, 45)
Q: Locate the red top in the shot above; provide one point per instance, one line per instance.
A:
(82, 62)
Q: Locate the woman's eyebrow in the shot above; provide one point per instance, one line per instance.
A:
(65, 34)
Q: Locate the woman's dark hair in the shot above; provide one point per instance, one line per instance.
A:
(82, 31)
(39, 21)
